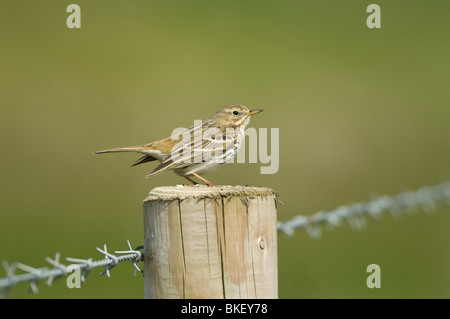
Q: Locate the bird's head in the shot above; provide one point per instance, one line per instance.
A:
(234, 115)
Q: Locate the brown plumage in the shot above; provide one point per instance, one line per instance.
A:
(179, 152)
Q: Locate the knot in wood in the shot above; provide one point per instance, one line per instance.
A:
(262, 244)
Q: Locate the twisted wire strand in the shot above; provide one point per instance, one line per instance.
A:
(36, 275)
(426, 198)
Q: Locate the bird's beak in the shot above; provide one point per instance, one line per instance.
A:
(253, 112)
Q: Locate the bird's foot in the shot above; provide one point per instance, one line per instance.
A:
(208, 183)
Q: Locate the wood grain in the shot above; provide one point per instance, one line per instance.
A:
(210, 242)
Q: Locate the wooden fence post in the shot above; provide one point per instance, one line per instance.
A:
(210, 242)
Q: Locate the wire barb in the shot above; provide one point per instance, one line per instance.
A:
(57, 265)
(138, 256)
(112, 261)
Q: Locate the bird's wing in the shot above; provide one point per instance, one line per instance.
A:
(200, 148)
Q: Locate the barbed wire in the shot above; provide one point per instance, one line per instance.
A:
(58, 270)
(426, 198)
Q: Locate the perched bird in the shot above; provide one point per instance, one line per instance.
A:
(199, 149)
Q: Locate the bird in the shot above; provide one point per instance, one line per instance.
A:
(199, 149)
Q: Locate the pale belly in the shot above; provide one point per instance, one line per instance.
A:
(200, 169)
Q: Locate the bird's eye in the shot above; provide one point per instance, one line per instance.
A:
(235, 112)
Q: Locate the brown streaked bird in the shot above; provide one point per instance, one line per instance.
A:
(199, 149)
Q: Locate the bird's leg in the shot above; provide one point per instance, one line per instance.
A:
(206, 181)
(193, 182)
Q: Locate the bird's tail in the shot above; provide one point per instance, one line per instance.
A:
(137, 149)
(150, 155)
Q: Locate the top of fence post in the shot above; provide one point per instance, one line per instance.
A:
(182, 192)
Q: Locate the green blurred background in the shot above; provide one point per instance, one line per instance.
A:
(360, 111)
